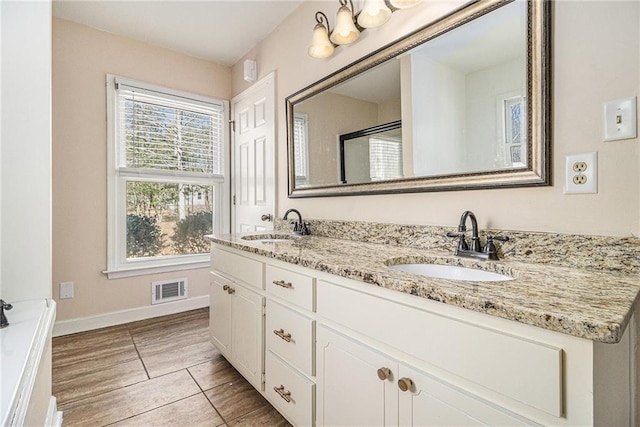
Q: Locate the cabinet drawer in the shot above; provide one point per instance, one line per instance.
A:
(293, 287)
(291, 336)
(525, 370)
(239, 267)
(289, 391)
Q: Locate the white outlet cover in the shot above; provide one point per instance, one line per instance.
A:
(620, 119)
(66, 290)
(591, 173)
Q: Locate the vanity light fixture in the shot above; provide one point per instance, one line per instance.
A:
(374, 13)
(321, 46)
(345, 31)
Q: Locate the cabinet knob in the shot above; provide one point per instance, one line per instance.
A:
(231, 291)
(405, 384)
(282, 334)
(282, 283)
(225, 288)
(284, 394)
(384, 373)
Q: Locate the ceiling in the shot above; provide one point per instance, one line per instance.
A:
(220, 31)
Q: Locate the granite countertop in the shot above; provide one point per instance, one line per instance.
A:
(595, 305)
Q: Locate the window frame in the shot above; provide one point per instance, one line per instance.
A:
(118, 266)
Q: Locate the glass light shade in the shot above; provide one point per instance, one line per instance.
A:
(404, 4)
(320, 47)
(374, 13)
(345, 31)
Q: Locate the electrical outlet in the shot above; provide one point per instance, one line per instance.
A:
(66, 290)
(581, 173)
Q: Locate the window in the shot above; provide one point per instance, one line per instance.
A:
(301, 159)
(385, 158)
(167, 181)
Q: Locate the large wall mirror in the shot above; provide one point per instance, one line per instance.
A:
(463, 103)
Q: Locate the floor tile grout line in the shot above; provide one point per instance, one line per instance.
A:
(126, 386)
(153, 409)
(205, 396)
(144, 366)
(266, 404)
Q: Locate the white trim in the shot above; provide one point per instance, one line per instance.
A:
(81, 324)
(54, 417)
(122, 273)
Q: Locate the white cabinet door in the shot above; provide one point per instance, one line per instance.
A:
(220, 315)
(247, 331)
(431, 402)
(350, 392)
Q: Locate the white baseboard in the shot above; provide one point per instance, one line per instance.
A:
(81, 324)
(54, 417)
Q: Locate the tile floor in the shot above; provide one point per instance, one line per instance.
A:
(155, 372)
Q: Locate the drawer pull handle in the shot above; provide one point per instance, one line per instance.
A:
(384, 374)
(283, 335)
(405, 384)
(285, 394)
(283, 284)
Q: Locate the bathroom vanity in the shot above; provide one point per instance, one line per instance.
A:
(331, 335)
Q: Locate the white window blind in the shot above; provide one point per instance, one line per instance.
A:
(385, 159)
(162, 132)
(300, 148)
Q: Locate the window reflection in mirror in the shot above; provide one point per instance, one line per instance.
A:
(461, 99)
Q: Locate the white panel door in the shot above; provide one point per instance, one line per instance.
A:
(350, 392)
(431, 402)
(253, 174)
(220, 315)
(247, 333)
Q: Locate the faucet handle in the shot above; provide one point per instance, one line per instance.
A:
(490, 248)
(304, 229)
(462, 243)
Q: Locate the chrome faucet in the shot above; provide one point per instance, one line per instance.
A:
(3, 319)
(299, 227)
(475, 250)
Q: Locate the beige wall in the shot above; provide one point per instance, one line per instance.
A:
(596, 50)
(81, 59)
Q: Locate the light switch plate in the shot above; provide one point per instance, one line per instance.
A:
(620, 119)
(581, 173)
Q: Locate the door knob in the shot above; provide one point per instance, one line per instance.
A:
(405, 384)
(384, 373)
(267, 217)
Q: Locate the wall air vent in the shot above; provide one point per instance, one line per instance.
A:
(169, 290)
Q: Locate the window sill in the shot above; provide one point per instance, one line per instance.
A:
(123, 272)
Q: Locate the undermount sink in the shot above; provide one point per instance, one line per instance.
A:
(269, 238)
(453, 272)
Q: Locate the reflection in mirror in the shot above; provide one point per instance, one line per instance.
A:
(373, 154)
(460, 97)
